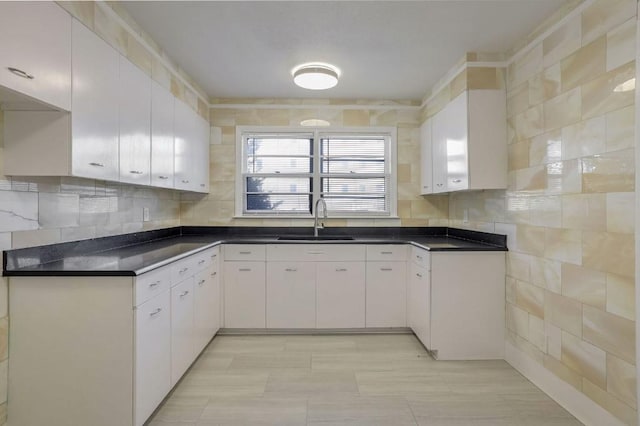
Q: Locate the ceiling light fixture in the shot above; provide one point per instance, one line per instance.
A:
(315, 76)
(627, 86)
(315, 122)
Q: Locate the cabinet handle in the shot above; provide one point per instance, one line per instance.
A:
(185, 181)
(184, 293)
(386, 269)
(419, 275)
(201, 282)
(135, 172)
(202, 185)
(213, 256)
(96, 164)
(386, 252)
(156, 312)
(213, 274)
(163, 177)
(291, 270)
(154, 284)
(20, 73)
(182, 271)
(418, 257)
(244, 269)
(315, 252)
(341, 269)
(201, 262)
(244, 252)
(456, 180)
(439, 184)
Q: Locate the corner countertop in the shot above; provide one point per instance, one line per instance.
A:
(135, 254)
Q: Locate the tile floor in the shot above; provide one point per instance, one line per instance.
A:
(350, 380)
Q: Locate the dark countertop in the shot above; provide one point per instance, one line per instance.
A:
(134, 254)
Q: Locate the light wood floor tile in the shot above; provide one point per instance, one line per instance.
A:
(256, 411)
(361, 410)
(182, 409)
(313, 383)
(286, 360)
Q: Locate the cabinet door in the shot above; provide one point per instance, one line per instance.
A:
(205, 317)
(201, 155)
(182, 329)
(456, 131)
(291, 295)
(426, 163)
(161, 136)
(183, 143)
(340, 295)
(216, 274)
(94, 120)
(439, 152)
(134, 124)
(419, 303)
(244, 294)
(35, 40)
(386, 294)
(152, 355)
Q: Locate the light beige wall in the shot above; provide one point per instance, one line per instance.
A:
(569, 207)
(218, 207)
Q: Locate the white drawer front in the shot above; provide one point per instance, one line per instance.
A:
(387, 252)
(183, 269)
(316, 252)
(151, 284)
(202, 260)
(421, 257)
(252, 252)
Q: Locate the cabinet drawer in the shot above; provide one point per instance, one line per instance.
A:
(254, 252)
(183, 269)
(202, 260)
(151, 284)
(421, 257)
(316, 252)
(385, 252)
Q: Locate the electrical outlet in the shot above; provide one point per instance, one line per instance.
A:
(145, 214)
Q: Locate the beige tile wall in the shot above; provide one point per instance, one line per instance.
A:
(217, 208)
(569, 208)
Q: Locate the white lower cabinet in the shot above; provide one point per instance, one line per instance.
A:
(205, 315)
(152, 355)
(386, 298)
(419, 301)
(182, 329)
(340, 294)
(244, 294)
(291, 295)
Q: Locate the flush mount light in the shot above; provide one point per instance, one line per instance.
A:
(315, 76)
(315, 122)
(627, 86)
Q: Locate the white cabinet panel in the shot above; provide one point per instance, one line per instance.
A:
(191, 135)
(291, 295)
(182, 329)
(426, 159)
(94, 120)
(201, 154)
(134, 124)
(151, 284)
(35, 40)
(387, 252)
(457, 156)
(316, 252)
(250, 252)
(340, 295)
(153, 355)
(161, 136)
(205, 315)
(386, 294)
(419, 303)
(244, 294)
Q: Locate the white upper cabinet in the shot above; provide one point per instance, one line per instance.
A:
(191, 150)
(161, 136)
(94, 121)
(35, 54)
(134, 124)
(468, 143)
(426, 181)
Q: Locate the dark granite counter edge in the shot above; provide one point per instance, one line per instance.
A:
(488, 242)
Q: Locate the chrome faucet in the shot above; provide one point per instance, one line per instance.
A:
(316, 223)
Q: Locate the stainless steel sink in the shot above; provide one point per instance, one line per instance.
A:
(312, 238)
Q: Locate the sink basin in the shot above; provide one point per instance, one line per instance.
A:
(312, 238)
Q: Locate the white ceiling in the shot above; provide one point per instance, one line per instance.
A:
(385, 49)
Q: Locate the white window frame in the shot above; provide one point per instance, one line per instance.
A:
(391, 164)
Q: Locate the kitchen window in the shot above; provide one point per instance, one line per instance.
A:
(283, 172)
